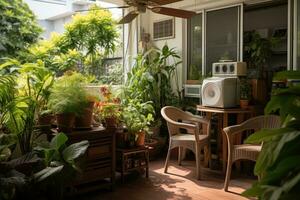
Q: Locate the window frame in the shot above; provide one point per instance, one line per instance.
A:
(240, 28)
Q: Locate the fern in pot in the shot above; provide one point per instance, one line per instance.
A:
(67, 100)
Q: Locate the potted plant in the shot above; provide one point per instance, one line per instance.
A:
(107, 110)
(85, 117)
(68, 98)
(137, 118)
(245, 93)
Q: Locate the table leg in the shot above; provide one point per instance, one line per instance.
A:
(224, 142)
(219, 137)
(147, 163)
(238, 138)
(206, 149)
(123, 169)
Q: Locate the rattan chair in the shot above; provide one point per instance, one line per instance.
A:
(246, 151)
(196, 138)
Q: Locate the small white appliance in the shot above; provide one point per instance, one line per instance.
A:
(229, 69)
(221, 92)
(192, 90)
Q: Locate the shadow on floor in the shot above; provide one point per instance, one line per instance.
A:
(178, 184)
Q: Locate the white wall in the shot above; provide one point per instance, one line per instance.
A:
(44, 10)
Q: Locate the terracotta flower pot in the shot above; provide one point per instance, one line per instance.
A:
(140, 141)
(65, 122)
(86, 118)
(244, 103)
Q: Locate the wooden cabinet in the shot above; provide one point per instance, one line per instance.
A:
(98, 164)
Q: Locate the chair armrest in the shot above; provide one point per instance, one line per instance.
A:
(232, 130)
(192, 127)
(184, 125)
(195, 118)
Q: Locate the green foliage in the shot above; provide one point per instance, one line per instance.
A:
(30, 91)
(195, 73)
(93, 33)
(245, 89)
(12, 180)
(59, 159)
(278, 163)
(151, 78)
(87, 40)
(42, 172)
(114, 74)
(68, 94)
(18, 27)
(137, 116)
(7, 95)
(257, 51)
(6, 141)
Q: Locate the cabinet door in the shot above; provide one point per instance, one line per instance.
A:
(223, 28)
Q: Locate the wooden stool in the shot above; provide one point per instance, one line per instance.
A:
(134, 159)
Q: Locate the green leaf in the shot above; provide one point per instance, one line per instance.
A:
(266, 135)
(282, 169)
(75, 150)
(254, 191)
(47, 172)
(286, 138)
(58, 141)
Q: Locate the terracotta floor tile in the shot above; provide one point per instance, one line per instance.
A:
(178, 184)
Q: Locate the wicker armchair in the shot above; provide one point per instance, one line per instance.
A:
(246, 151)
(197, 137)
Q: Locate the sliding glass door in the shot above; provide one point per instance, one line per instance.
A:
(223, 33)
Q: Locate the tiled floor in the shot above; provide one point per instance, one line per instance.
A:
(178, 184)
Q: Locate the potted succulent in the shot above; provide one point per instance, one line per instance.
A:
(245, 93)
(67, 100)
(137, 118)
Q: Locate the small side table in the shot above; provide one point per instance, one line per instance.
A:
(134, 159)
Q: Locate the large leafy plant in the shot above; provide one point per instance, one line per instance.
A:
(18, 27)
(42, 172)
(61, 162)
(152, 76)
(278, 164)
(257, 51)
(29, 93)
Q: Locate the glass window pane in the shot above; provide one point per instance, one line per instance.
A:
(194, 70)
(298, 36)
(221, 36)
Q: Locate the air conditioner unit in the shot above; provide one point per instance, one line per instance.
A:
(192, 91)
(221, 92)
(229, 69)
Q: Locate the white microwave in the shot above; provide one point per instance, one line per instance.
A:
(192, 91)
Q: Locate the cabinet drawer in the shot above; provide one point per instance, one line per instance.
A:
(95, 152)
(93, 175)
(98, 164)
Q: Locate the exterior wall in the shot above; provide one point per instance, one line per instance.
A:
(45, 9)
